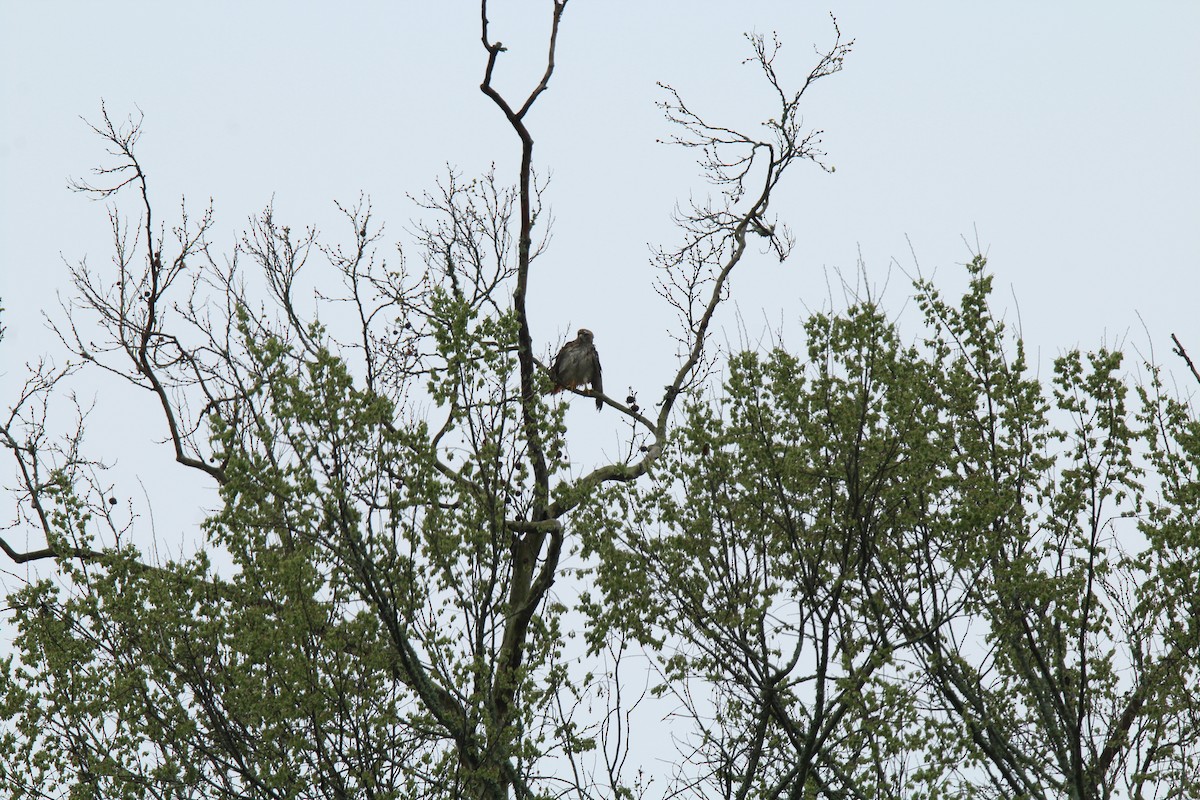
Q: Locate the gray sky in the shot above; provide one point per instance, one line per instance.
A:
(1062, 135)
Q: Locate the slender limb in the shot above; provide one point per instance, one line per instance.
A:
(1179, 351)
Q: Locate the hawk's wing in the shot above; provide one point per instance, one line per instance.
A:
(556, 369)
(597, 382)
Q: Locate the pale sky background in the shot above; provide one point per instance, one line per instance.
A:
(1062, 136)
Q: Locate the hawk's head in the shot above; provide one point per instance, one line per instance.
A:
(585, 335)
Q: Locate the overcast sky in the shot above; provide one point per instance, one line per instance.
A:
(1060, 136)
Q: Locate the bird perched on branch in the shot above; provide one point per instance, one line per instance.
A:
(578, 363)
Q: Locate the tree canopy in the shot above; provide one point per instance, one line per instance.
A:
(894, 563)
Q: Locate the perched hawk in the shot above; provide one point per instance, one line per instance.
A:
(578, 363)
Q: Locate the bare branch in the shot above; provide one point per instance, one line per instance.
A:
(1179, 351)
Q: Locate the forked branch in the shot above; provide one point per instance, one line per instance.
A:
(747, 169)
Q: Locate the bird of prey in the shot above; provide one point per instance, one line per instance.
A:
(578, 363)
